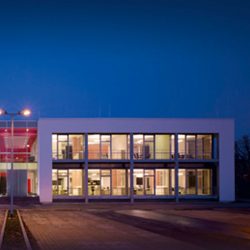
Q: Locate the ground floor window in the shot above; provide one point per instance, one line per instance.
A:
(25, 180)
(67, 182)
(153, 181)
(165, 181)
(116, 182)
(195, 181)
(107, 182)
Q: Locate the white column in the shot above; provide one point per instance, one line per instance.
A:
(131, 168)
(86, 193)
(176, 160)
(45, 165)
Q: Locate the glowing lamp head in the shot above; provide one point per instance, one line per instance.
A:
(2, 112)
(26, 112)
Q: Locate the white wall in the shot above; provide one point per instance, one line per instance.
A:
(224, 127)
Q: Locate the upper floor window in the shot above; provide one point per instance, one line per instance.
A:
(67, 146)
(106, 146)
(159, 146)
(195, 146)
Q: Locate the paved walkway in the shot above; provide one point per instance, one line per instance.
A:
(81, 230)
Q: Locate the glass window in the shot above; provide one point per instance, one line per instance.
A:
(190, 181)
(119, 147)
(75, 148)
(94, 146)
(182, 181)
(67, 182)
(138, 182)
(62, 182)
(204, 182)
(119, 184)
(66, 147)
(105, 147)
(190, 147)
(181, 146)
(149, 147)
(172, 178)
(138, 147)
(94, 182)
(149, 182)
(62, 144)
(193, 182)
(54, 182)
(75, 182)
(105, 182)
(204, 146)
(162, 182)
(164, 146)
(144, 182)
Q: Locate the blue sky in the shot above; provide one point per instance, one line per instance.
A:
(127, 58)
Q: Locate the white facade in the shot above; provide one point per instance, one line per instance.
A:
(222, 128)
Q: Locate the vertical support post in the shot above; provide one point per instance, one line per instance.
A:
(86, 193)
(131, 168)
(12, 167)
(176, 159)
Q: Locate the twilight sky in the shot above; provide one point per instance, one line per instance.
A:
(127, 58)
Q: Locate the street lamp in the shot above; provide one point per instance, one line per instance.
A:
(25, 112)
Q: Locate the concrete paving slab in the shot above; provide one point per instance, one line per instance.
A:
(81, 230)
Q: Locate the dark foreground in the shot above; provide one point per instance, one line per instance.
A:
(139, 226)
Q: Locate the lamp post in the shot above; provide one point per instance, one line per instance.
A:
(24, 112)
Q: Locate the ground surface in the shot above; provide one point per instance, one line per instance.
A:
(139, 226)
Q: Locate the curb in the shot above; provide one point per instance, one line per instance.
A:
(26, 239)
(3, 228)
